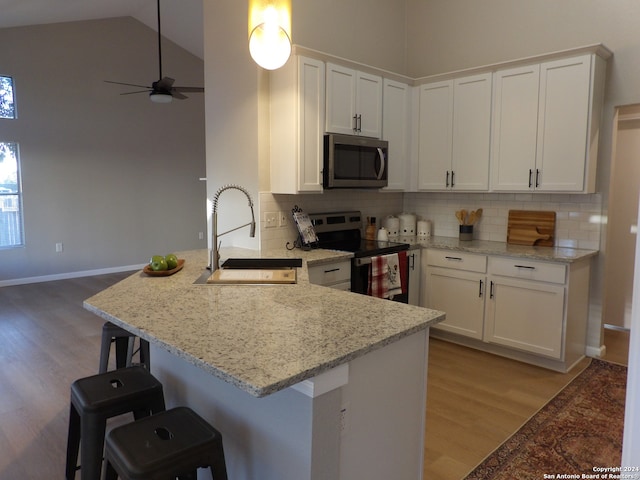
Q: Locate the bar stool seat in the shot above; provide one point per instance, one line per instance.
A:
(97, 398)
(174, 443)
(124, 341)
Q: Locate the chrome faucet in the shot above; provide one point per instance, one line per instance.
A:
(215, 254)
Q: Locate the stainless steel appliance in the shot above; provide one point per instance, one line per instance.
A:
(343, 231)
(351, 161)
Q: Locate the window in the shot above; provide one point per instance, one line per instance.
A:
(10, 196)
(11, 225)
(7, 104)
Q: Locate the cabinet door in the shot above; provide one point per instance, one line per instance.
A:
(341, 95)
(297, 109)
(471, 132)
(369, 105)
(435, 135)
(395, 129)
(563, 123)
(525, 315)
(515, 128)
(414, 276)
(311, 108)
(461, 295)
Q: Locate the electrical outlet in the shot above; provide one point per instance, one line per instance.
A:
(200, 235)
(344, 424)
(282, 219)
(59, 247)
(270, 219)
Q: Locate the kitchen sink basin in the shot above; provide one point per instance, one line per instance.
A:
(252, 271)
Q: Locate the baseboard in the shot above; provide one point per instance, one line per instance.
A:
(596, 352)
(68, 275)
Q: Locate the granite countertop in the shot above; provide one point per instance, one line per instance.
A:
(485, 247)
(260, 338)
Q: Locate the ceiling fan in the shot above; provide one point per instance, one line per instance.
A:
(162, 90)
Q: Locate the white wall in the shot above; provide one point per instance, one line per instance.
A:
(114, 178)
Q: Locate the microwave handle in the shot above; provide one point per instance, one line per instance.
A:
(382, 163)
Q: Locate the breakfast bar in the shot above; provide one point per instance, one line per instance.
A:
(303, 381)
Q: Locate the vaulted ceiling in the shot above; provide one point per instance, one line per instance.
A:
(181, 19)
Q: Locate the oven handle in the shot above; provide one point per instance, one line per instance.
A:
(359, 262)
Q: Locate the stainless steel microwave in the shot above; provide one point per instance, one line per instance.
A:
(351, 161)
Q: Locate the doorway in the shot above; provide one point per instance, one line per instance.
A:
(624, 191)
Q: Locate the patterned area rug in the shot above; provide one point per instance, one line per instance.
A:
(578, 431)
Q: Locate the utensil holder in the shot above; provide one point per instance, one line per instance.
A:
(466, 232)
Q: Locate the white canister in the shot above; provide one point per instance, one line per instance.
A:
(424, 228)
(407, 224)
(383, 235)
(392, 224)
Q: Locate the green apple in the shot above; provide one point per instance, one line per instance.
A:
(172, 261)
(158, 263)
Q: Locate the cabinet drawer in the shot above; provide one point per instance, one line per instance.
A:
(527, 269)
(330, 273)
(457, 260)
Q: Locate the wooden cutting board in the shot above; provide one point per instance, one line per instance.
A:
(531, 227)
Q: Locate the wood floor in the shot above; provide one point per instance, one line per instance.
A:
(475, 401)
(47, 340)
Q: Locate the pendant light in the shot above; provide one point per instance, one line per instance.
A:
(270, 32)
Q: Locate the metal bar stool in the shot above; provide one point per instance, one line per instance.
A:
(124, 341)
(170, 444)
(99, 397)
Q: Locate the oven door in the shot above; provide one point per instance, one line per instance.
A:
(360, 268)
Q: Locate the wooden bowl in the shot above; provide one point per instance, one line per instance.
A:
(163, 273)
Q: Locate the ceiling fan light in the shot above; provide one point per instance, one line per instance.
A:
(160, 97)
(270, 32)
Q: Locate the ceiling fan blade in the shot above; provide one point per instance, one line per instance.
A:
(128, 84)
(139, 91)
(178, 95)
(165, 83)
(188, 89)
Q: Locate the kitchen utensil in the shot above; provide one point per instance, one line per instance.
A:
(472, 218)
(528, 227)
(460, 217)
(527, 236)
(463, 214)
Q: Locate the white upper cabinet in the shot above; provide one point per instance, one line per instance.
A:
(454, 134)
(297, 126)
(515, 128)
(354, 102)
(545, 125)
(396, 126)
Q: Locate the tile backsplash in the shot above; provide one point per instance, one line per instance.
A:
(578, 216)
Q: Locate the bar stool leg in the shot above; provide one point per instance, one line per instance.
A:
(91, 456)
(73, 443)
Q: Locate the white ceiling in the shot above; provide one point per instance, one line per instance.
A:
(181, 19)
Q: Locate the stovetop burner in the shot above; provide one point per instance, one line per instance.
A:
(342, 231)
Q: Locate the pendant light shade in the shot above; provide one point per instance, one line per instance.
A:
(270, 32)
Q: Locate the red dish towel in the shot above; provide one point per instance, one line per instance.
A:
(388, 275)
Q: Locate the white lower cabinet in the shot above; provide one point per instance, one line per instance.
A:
(529, 310)
(455, 283)
(335, 275)
(414, 276)
(525, 315)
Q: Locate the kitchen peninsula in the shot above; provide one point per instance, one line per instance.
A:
(303, 381)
